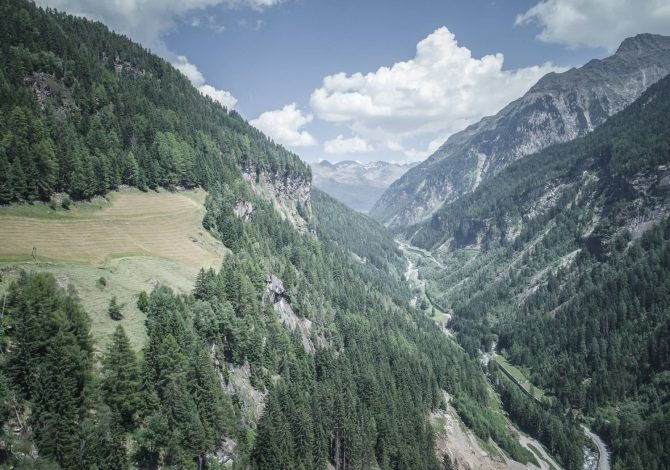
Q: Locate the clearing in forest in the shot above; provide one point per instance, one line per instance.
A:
(127, 223)
(132, 240)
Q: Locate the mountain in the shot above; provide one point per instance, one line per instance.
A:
(358, 185)
(559, 108)
(560, 264)
(303, 350)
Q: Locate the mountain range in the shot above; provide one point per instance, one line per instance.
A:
(358, 185)
(177, 293)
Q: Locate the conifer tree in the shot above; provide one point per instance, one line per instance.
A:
(6, 189)
(143, 302)
(121, 381)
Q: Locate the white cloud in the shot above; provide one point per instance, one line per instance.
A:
(439, 91)
(284, 126)
(198, 80)
(597, 23)
(189, 70)
(340, 145)
(225, 98)
(417, 155)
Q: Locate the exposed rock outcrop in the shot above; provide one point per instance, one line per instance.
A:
(277, 295)
(290, 194)
(243, 209)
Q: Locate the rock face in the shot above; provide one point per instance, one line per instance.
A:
(357, 185)
(243, 209)
(277, 295)
(559, 108)
(290, 194)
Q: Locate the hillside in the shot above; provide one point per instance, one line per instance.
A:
(559, 108)
(358, 185)
(134, 240)
(300, 351)
(560, 263)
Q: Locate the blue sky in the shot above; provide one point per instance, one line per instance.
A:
(343, 79)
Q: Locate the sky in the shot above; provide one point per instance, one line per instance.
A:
(372, 80)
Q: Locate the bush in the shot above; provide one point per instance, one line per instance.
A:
(66, 202)
(101, 282)
(114, 309)
(143, 302)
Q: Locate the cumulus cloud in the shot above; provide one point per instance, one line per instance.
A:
(597, 23)
(439, 91)
(284, 126)
(340, 145)
(198, 80)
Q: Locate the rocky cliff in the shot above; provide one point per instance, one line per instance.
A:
(559, 108)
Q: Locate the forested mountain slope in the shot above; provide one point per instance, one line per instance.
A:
(84, 111)
(562, 259)
(559, 108)
(302, 351)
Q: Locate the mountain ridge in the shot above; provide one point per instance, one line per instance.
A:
(357, 184)
(558, 108)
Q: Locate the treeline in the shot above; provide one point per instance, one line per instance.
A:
(84, 111)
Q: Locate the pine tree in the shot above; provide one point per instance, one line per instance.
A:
(46, 167)
(131, 172)
(18, 180)
(143, 302)
(121, 379)
(6, 190)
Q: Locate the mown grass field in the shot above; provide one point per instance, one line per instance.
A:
(134, 240)
(128, 223)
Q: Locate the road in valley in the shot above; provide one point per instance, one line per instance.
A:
(603, 454)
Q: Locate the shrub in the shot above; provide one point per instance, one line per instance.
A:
(143, 302)
(114, 309)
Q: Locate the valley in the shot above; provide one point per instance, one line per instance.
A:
(183, 287)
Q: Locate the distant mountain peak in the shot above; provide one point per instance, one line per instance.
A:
(644, 42)
(357, 185)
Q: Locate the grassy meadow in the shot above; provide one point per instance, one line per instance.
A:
(134, 240)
